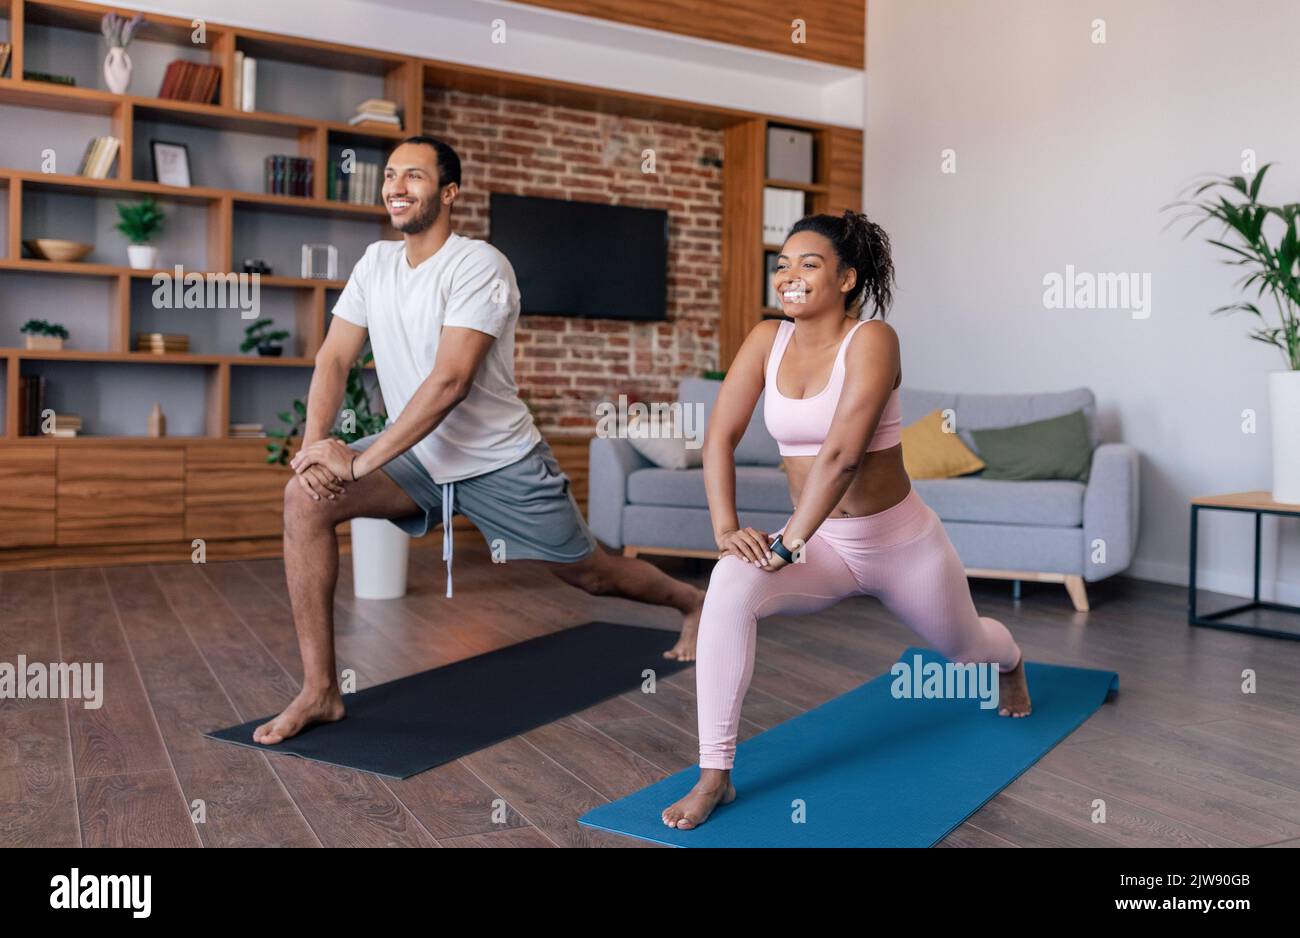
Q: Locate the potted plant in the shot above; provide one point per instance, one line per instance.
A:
(119, 31)
(140, 222)
(380, 549)
(1270, 262)
(261, 336)
(43, 335)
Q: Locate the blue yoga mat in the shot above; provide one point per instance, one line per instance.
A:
(869, 769)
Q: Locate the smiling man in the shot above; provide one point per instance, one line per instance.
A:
(440, 311)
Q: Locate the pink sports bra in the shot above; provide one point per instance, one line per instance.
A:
(800, 425)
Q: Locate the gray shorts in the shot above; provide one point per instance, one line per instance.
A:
(524, 511)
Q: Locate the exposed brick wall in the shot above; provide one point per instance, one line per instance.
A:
(566, 365)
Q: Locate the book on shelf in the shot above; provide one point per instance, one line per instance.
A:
(29, 75)
(376, 111)
(290, 175)
(31, 402)
(99, 156)
(5, 49)
(781, 209)
(246, 100)
(190, 81)
(161, 343)
(246, 431)
(359, 187)
(66, 422)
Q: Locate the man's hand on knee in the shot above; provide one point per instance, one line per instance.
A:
(319, 483)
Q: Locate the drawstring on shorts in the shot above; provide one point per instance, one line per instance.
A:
(448, 497)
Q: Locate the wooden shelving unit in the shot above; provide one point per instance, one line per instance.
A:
(125, 498)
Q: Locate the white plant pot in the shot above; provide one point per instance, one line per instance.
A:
(379, 558)
(1284, 406)
(142, 256)
(117, 70)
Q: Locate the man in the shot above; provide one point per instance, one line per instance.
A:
(439, 310)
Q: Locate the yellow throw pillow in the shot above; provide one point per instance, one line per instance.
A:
(930, 453)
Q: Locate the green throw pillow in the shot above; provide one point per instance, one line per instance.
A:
(1058, 448)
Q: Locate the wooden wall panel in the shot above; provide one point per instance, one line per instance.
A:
(27, 509)
(119, 494)
(835, 29)
(742, 236)
(845, 171)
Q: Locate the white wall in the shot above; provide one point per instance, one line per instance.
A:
(560, 46)
(1065, 152)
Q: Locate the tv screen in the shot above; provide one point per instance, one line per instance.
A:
(582, 258)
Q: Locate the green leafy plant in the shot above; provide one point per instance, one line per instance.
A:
(140, 221)
(1269, 266)
(356, 402)
(714, 375)
(260, 334)
(41, 327)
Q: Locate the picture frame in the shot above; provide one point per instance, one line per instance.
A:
(171, 163)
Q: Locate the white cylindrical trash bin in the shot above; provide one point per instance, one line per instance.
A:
(380, 550)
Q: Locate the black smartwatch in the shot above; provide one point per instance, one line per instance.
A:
(781, 550)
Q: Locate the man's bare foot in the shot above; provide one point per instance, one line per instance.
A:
(684, 650)
(1013, 692)
(303, 711)
(713, 788)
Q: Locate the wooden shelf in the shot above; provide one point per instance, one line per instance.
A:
(151, 358)
(192, 194)
(82, 269)
(803, 186)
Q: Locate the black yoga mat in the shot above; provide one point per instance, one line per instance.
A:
(415, 723)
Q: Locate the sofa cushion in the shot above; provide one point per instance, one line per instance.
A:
(758, 488)
(756, 447)
(1050, 503)
(1055, 448)
(987, 411)
(930, 453)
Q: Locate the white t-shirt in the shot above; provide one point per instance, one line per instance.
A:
(464, 283)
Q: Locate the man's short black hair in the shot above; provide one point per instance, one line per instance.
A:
(448, 161)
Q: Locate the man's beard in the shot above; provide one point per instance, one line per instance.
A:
(421, 222)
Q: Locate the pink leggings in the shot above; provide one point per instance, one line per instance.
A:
(901, 555)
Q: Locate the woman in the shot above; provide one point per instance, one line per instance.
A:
(831, 402)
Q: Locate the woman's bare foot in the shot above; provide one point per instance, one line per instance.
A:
(684, 650)
(1013, 692)
(713, 788)
(305, 709)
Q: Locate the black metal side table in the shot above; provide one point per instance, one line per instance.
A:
(1260, 504)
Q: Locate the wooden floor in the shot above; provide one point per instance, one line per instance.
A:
(1182, 757)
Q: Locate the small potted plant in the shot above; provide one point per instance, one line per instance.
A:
(261, 336)
(140, 222)
(44, 335)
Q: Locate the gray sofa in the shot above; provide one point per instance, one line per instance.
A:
(1050, 531)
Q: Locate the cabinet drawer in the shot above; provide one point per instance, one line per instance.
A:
(27, 507)
(232, 492)
(121, 495)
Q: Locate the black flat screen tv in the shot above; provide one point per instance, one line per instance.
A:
(582, 258)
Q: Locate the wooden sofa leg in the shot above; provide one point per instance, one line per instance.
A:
(1078, 593)
(629, 551)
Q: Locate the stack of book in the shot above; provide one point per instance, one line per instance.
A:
(190, 81)
(289, 175)
(66, 425)
(29, 75)
(376, 112)
(246, 431)
(360, 187)
(31, 401)
(244, 87)
(781, 209)
(4, 57)
(99, 156)
(161, 343)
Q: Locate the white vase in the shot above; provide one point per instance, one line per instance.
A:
(1284, 406)
(117, 70)
(142, 256)
(379, 558)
